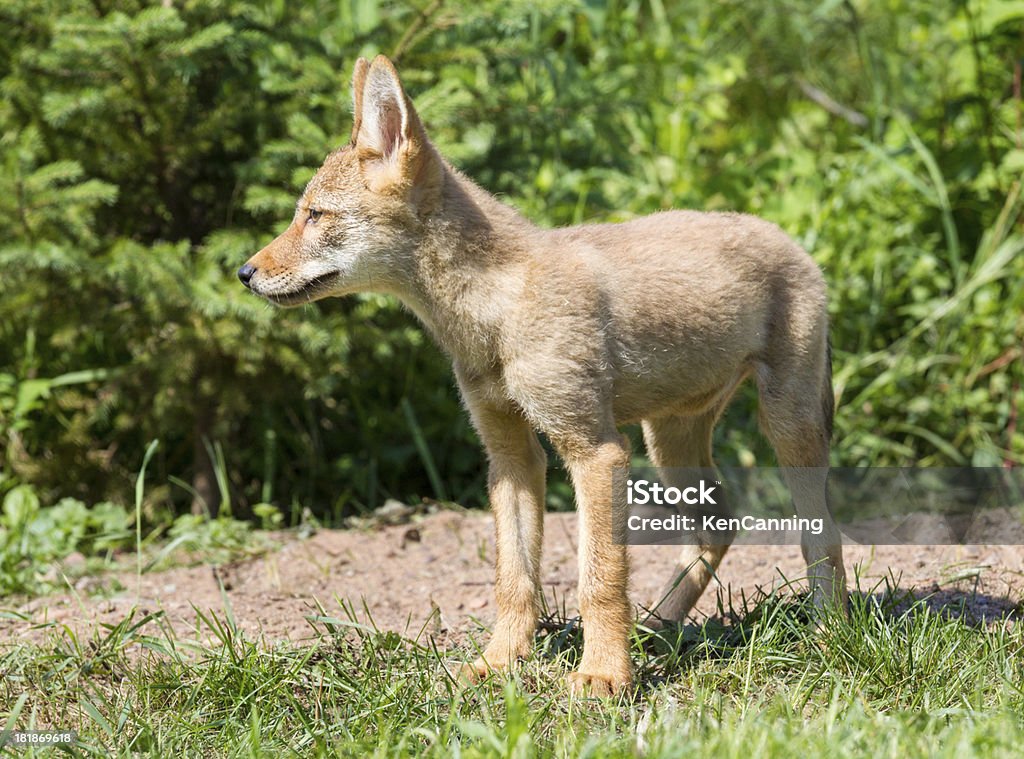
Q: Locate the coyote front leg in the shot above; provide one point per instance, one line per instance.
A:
(604, 571)
(517, 467)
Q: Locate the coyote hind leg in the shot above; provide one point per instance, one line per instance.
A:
(676, 442)
(796, 405)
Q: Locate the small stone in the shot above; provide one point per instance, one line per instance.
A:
(412, 535)
(394, 512)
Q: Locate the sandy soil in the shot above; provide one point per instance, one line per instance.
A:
(431, 576)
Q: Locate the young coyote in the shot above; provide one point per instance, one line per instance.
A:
(571, 332)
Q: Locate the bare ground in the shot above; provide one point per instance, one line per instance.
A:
(432, 578)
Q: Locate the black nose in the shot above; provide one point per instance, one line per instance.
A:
(245, 273)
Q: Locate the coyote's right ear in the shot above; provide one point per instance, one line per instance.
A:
(358, 84)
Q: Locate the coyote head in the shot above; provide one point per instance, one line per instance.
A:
(361, 218)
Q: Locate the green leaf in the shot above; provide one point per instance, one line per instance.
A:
(206, 39)
(20, 506)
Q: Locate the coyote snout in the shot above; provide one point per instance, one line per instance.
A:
(572, 332)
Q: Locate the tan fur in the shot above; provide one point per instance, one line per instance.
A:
(572, 332)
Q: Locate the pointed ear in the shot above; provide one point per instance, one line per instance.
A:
(388, 123)
(391, 142)
(358, 84)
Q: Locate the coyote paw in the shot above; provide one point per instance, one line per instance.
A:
(502, 653)
(475, 671)
(599, 684)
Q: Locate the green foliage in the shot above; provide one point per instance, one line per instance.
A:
(33, 539)
(208, 537)
(148, 151)
(894, 679)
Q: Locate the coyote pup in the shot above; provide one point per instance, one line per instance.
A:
(571, 332)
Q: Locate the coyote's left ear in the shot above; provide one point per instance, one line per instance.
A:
(390, 138)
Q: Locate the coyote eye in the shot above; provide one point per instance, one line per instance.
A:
(314, 214)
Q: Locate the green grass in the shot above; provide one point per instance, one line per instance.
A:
(37, 541)
(887, 681)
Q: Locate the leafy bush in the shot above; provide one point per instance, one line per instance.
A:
(33, 539)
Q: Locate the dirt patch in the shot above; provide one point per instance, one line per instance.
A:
(432, 577)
